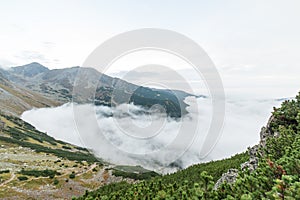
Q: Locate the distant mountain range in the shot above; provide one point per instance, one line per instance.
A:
(15, 99)
(34, 85)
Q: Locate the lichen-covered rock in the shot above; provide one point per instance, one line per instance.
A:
(266, 132)
(251, 165)
(228, 177)
(254, 153)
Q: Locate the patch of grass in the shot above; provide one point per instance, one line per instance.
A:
(87, 175)
(8, 193)
(5, 177)
(36, 183)
(75, 156)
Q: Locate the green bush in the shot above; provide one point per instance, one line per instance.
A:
(22, 178)
(72, 176)
(55, 182)
(4, 171)
(135, 176)
(94, 170)
(38, 173)
(66, 147)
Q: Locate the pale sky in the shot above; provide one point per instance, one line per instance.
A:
(252, 42)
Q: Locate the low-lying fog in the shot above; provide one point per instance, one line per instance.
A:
(244, 119)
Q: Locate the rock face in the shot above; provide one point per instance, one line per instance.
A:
(266, 132)
(254, 152)
(228, 177)
(252, 164)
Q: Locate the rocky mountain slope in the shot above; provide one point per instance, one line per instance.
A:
(92, 87)
(15, 99)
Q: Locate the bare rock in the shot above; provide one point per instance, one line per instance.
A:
(228, 177)
(254, 152)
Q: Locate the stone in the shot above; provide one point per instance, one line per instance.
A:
(254, 154)
(228, 177)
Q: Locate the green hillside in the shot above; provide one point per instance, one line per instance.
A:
(276, 176)
(34, 165)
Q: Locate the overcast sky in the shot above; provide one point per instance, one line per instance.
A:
(252, 42)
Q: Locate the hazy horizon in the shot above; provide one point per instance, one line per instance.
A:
(253, 46)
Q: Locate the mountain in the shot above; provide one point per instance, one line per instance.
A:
(58, 85)
(15, 99)
(29, 70)
(269, 170)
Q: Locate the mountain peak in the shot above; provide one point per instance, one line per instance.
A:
(30, 70)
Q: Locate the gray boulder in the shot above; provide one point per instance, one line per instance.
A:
(228, 177)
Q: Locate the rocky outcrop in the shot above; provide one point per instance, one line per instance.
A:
(228, 177)
(266, 132)
(252, 164)
(254, 153)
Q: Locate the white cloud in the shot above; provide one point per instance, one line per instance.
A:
(241, 129)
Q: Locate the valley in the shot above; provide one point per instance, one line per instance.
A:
(36, 166)
(149, 100)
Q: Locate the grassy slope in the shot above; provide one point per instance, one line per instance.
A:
(16, 100)
(45, 162)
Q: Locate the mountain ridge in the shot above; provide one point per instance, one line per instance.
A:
(15, 99)
(30, 70)
(58, 85)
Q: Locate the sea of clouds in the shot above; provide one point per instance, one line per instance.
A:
(118, 136)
